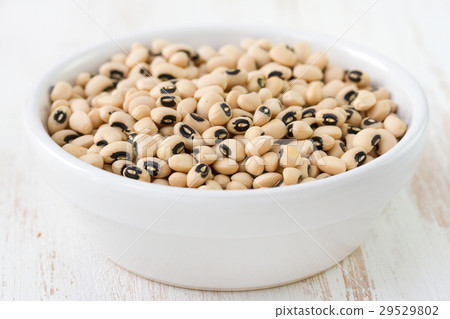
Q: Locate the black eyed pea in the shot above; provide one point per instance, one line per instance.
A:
(232, 97)
(220, 61)
(349, 140)
(186, 88)
(80, 122)
(332, 165)
(381, 94)
(322, 176)
(369, 122)
(144, 145)
(106, 111)
(299, 130)
(117, 151)
(270, 160)
(291, 97)
(209, 90)
(61, 91)
(94, 149)
(93, 159)
(282, 54)
(326, 104)
(275, 128)
(290, 114)
(197, 175)
(235, 77)
(181, 162)
(115, 70)
(169, 146)
(367, 139)
(235, 185)
(138, 54)
(84, 140)
(302, 50)
(363, 100)
(353, 116)
(262, 115)
(219, 113)
(307, 180)
(75, 150)
(247, 63)
(314, 171)
(265, 94)
(178, 179)
(330, 117)
(118, 166)
(396, 126)
(232, 148)
(58, 119)
(180, 59)
(204, 154)
(333, 131)
(254, 165)
(137, 98)
(258, 145)
(166, 71)
(333, 72)
(244, 178)
(380, 110)
(136, 173)
(319, 59)
(58, 103)
(256, 82)
(222, 180)
(83, 78)
(337, 150)
(79, 105)
(206, 102)
(304, 167)
(213, 185)
(197, 122)
(291, 176)
(354, 157)
(147, 83)
(187, 106)
(333, 87)
(276, 85)
(64, 136)
(124, 121)
(347, 94)
(308, 73)
(215, 135)
(253, 132)
(249, 101)
(387, 141)
(267, 180)
(350, 129)
(165, 116)
(260, 55)
(166, 130)
(306, 147)
(98, 84)
(226, 166)
(168, 101)
(309, 112)
(314, 92)
(323, 141)
(240, 112)
(161, 181)
(145, 126)
(141, 111)
(274, 106)
(191, 137)
(360, 78)
(289, 156)
(274, 69)
(212, 79)
(156, 167)
(239, 125)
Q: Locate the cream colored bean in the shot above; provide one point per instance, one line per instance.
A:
(61, 91)
(368, 122)
(291, 176)
(332, 165)
(245, 178)
(337, 150)
(308, 73)
(170, 146)
(323, 141)
(290, 114)
(387, 141)
(332, 88)
(249, 101)
(178, 179)
(161, 181)
(75, 150)
(299, 130)
(314, 92)
(276, 85)
(258, 145)
(289, 156)
(333, 72)
(85, 140)
(97, 84)
(262, 115)
(318, 59)
(181, 162)
(145, 126)
(226, 166)
(354, 157)
(219, 113)
(235, 185)
(396, 126)
(191, 137)
(93, 159)
(267, 180)
(275, 128)
(122, 120)
(144, 145)
(239, 125)
(367, 139)
(271, 160)
(302, 50)
(360, 78)
(64, 136)
(291, 97)
(232, 148)
(222, 180)
(206, 102)
(80, 122)
(215, 135)
(254, 165)
(364, 100)
(197, 122)
(204, 154)
(155, 167)
(116, 151)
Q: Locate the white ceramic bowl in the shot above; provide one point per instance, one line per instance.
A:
(232, 240)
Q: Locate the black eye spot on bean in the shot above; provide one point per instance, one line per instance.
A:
(360, 158)
(116, 74)
(350, 96)
(166, 77)
(261, 82)
(349, 114)
(281, 152)
(121, 155)
(131, 137)
(220, 134)
(102, 143)
(168, 119)
(154, 53)
(299, 179)
(289, 117)
(265, 110)
(195, 150)
(308, 113)
(342, 146)
(132, 172)
(60, 117)
(197, 117)
(275, 73)
(233, 72)
(168, 89)
(309, 169)
(279, 183)
(241, 125)
(187, 131)
(225, 150)
(203, 169)
(168, 101)
(314, 126)
(289, 130)
(352, 129)
(226, 109)
(177, 149)
(70, 138)
(354, 76)
(318, 142)
(187, 52)
(370, 121)
(109, 88)
(123, 167)
(375, 140)
(152, 168)
(120, 125)
(195, 57)
(330, 119)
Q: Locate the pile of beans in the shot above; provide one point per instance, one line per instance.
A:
(240, 117)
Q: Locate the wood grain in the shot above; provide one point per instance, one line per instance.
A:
(44, 254)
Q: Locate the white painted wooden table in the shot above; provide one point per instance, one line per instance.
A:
(43, 252)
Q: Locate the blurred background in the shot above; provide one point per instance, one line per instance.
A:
(44, 256)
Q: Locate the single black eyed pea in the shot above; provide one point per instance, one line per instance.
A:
(387, 141)
(314, 171)
(75, 150)
(274, 69)
(96, 120)
(253, 132)
(141, 111)
(350, 129)
(98, 84)
(181, 162)
(396, 126)
(308, 73)
(220, 61)
(156, 167)
(291, 176)
(330, 117)
(239, 125)
(170, 146)
(94, 149)
(304, 167)
(260, 55)
(282, 54)
(212, 79)
(213, 185)
(337, 150)
(262, 115)
(235, 185)
(364, 100)
(83, 78)
(276, 85)
(114, 69)
(186, 88)
(117, 151)
(136, 173)
(326, 104)
(222, 180)
(306, 147)
(380, 110)
(244, 178)
(105, 112)
(168, 101)
(314, 92)
(332, 165)
(106, 135)
(259, 145)
(232, 97)
(204, 154)
(309, 112)
(219, 113)
(367, 139)
(275, 128)
(161, 181)
(64, 136)
(79, 105)
(124, 121)
(166, 71)
(271, 160)
(354, 157)
(290, 114)
(232, 148)
(360, 78)
(333, 131)
(382, 94)
(240, 112)
(323, 141)
(197, 122)
(166, 130)
(291, 98)
(226, 166)
(333, 87)
(333, 72)
(353, 116)
(214, 135)
(349, 140)
(369, 122)
(346, 94)
(322, 176)
(61, 91)
(178, 179)
(289, 156)
(265, 94)
(145, 126)
(118, 166)
(274, 106)
(165, 116)
(254, 165)
(319, 59)
(191, 137)
(267, 180)
(187, 106)
(307, 180)
(197, 175)
(236, 77)
(145, 145)
(58, 119)
(80, 122)
(249, 101)
(84, 140)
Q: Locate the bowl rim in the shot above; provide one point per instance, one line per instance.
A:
(420, 115)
